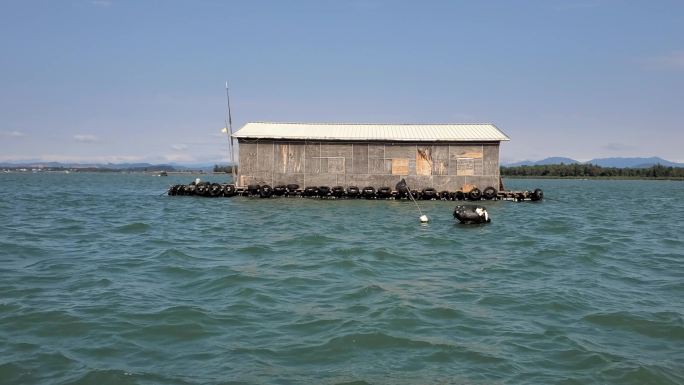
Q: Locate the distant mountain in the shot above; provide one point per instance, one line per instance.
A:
(603, 162)
(634, 162)
(552, 160)
(113, 166)
(91, 166)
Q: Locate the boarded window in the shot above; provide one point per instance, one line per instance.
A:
(423, 161)
(400, 166)
(465, 166)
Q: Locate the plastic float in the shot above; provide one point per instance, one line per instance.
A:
(471, 214)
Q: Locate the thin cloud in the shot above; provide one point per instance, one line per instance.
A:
(12, 134)
(179, 147)
(85, 138)
(671, 61)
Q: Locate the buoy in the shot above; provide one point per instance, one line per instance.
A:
(471, 214)
(424, 219)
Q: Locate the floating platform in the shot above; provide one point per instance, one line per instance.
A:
(218, 190)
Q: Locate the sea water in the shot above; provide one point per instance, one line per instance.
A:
(106, 280)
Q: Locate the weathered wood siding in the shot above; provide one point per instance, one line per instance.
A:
(441, 166)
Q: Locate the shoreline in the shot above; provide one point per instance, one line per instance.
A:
(591, 177)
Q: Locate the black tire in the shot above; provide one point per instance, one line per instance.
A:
(489, 193)
(207, 190)
(385, 192)
(280, 190)
(537, 195)
(323, 191)
(338, 191)
(445, 196)
(253, 189)
(310, 191)
(215, 190)
(229, 190)
(353, 191)
(200, 190)
(265, 191)
(368, 192)
(292, 187)
(475, 194)
(429, 194)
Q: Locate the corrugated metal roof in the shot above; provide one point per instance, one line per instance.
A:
(381, 132)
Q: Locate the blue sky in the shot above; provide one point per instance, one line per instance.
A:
(114, 80)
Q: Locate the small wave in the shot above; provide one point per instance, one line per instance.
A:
(173, 254)
(442, 313)
(365, 292)
(257, 250)
(123, 377)
(642, 374)
(667, 325)
(308, 240)
(133, 228)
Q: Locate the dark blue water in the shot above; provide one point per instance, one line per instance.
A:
(104, 281)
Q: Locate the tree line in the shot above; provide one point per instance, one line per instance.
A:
(226, 169)
(591, 170)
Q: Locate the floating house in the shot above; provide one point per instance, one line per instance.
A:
(439, 156)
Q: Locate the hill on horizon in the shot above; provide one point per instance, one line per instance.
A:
(618, 162)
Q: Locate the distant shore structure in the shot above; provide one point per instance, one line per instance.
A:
(439, 156)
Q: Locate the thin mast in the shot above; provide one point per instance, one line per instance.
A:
(229, 122)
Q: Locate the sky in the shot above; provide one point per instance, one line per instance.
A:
(143, 80)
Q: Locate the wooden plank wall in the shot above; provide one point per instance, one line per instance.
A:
(441, 166)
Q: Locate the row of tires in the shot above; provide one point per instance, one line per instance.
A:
(265, 191)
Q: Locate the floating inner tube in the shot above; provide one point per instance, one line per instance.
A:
(475, 194)
(384, 192)
(429, 193)
(489, 193)
(537, 195)
(310, 191)
(323, 191)
(353, 191)
(369, 192)
(338, 191)
(471, 214)
(280, 190)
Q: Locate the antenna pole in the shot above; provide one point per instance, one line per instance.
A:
(229, 123)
